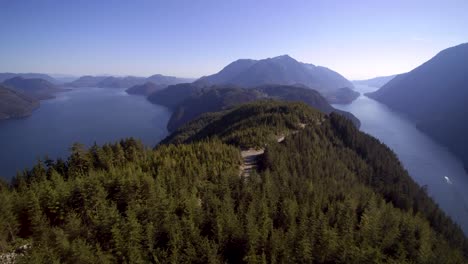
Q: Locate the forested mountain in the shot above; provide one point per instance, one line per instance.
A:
(377, 81)
(284, 70)
(173, 95)
(39, 89)
(145, 89)
(218, 98)
(434, 95)
(326, 194)
(14, 104)
(8, 75)
(125, 82)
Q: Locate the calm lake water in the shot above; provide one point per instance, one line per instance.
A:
(84, 115)
(427, 162)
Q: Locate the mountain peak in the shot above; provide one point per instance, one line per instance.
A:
(282, 70)
(283, 57)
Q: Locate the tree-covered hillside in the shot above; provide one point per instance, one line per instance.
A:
(249, 126)
(14, 104)
(326, 194)
(189, 101)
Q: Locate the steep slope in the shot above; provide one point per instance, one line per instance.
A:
(145, 89)
(222, 97)
(434, 95)
(284, 70)
(377, 81)
(14, 104)
(37, 88)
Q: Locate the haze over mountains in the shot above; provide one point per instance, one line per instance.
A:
(435, 96)
(145, 89)
(377, 81)
(8, 75)
(124, 82)
(37, 88)
(284, 70)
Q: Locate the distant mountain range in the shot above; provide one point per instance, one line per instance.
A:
(86, 81)
(14, 104)
(146, 88)
(376, 82)
(20, 96)
(36, 88)
(8, 75)
(124, 82)
(284, 70)
(189, 101)
(435, 96)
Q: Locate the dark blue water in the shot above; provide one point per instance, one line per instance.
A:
(428, 162)
(85, 115)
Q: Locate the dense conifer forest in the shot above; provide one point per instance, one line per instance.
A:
(326, 194)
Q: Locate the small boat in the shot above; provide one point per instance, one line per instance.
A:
(448, 180)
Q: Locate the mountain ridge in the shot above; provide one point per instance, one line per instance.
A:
(8, 75)
(283, 70)
(124, 82)
(189, 101)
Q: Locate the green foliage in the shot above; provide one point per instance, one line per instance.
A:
(248, 125)
(327, 194)
(188, 101)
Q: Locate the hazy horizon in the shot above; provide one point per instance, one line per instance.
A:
(360, 40)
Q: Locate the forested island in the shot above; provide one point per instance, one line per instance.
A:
(324, 193)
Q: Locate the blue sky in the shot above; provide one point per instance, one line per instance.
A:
(191, 38)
